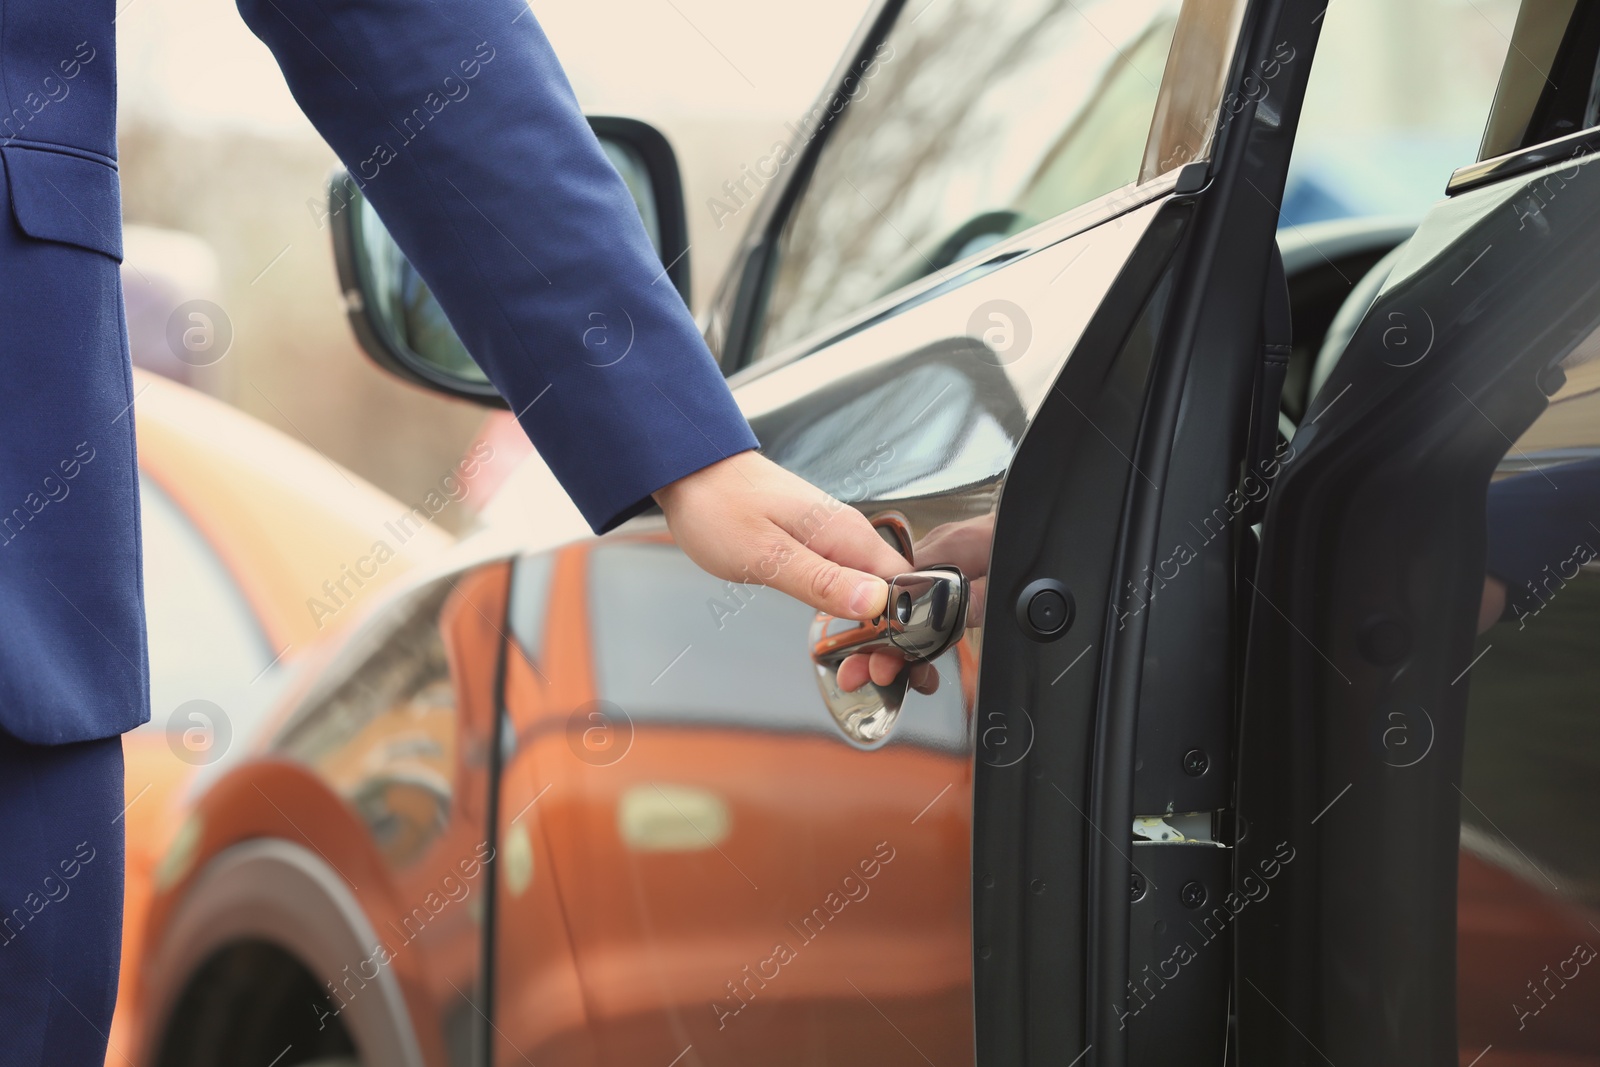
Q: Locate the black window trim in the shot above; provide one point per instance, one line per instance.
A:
(1035, 238)
(1573, 147)
(1510, 99)
(739, 306)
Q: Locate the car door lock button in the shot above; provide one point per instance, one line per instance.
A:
(1045, 609)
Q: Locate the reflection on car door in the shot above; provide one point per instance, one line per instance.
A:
(1529, 896)
(397, 730)
(701, 865)
(1444, 482)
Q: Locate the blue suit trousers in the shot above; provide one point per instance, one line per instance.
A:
(61, 854)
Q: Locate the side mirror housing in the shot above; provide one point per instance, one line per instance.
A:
(396, 319)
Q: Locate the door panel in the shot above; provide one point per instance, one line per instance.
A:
(735, 879)
(1528, 912)
(703, 812)
(1357, 724)
(693, 810)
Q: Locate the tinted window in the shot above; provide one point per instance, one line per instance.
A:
(530, 602)
(673, 645)
(972, 121)
(1530, 855)
(1549, 86)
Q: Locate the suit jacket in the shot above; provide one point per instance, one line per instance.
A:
(455, 118)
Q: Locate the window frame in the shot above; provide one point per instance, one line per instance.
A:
(1518, 98)
(1204, 52)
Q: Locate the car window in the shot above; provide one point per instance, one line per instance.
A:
(1397, 101)
(1550, 86)
(1528, 912)
(971, 122)
(530, 602)
(1530, 869)
(663, 630)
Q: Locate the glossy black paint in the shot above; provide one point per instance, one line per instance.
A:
(1374, 556)
(1174, 683)
(1060, 517)
(1167, 659)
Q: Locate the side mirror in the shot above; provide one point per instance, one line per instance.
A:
(396, 318)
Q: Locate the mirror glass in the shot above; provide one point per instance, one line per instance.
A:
(400, 306)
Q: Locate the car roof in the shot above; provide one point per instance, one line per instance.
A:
(283, 518)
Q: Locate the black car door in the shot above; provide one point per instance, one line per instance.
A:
(1089, 391)
(1419, 721)
(1011, 290)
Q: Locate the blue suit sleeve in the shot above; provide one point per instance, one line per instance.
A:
(457, 122)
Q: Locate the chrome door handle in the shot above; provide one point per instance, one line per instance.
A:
(926, 615)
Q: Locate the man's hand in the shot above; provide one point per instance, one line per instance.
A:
(746, 519)
(964, 544)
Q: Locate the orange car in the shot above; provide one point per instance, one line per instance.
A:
(242, 526)
(645, 864)
(1216, 773)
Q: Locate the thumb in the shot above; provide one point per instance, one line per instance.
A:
(827, 586)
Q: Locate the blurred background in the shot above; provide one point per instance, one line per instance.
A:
(223, 177)
(251, 535)
(223, 181)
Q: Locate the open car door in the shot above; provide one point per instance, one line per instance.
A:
(1013, 293)
(1014, 297)
(1419, 723)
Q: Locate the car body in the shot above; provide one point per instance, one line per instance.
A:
(1194, 784)
(241, 526)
